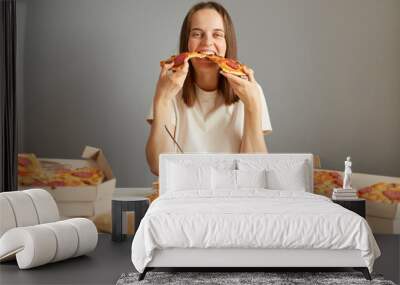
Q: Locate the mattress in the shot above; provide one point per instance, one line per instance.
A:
(251, 219)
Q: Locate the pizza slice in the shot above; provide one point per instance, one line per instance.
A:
(33, 180)
(180, 58)
(228, 65)
(63, 179)
(30, 172)
(88, 175)
(381, 192)
(326, 181)
(28, 164)
(52, 167)
(84, 176)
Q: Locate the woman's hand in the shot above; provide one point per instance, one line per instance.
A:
(171, 81)
(249, 92)
(246, 89)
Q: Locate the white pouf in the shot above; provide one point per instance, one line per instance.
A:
(31, 233)
(7, 218)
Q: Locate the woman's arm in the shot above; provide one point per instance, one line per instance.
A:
(159, 141)
(253, 137)
(168, 87)
(249, 94)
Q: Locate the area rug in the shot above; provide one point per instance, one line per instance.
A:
(233, 278)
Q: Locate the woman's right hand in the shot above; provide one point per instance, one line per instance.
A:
(171, 82)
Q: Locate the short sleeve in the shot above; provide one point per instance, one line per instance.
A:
(150, 114)
(265, 120)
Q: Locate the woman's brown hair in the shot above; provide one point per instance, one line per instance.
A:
(188, 89)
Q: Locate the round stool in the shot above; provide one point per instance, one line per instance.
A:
(139, 205)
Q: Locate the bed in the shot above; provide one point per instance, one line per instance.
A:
(247, 210)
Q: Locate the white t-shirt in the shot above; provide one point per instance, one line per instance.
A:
(210, 125)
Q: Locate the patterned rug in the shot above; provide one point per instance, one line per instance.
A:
(231, 278)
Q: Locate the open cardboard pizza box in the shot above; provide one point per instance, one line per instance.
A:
(88, 200)
(383, 218)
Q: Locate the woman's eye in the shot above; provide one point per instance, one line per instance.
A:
(219, 35)
(196, 34)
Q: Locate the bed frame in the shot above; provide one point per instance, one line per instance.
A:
(242, 259)
(246, 259)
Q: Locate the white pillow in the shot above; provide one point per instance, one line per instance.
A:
(251, 178)
(236, 179)
(293, 178)
(181, 177)
(223, 179)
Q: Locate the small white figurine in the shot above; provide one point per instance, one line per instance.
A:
(347, 174)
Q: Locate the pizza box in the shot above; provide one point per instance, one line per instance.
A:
(84, 209)
(378, 209)
(386, 211)
(384, 226)
(92, 157)
(383, 210)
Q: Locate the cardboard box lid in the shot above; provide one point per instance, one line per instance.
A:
(97, 155)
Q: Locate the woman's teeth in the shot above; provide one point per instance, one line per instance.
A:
(208, 52)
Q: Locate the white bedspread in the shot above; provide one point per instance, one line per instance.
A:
(250, 219)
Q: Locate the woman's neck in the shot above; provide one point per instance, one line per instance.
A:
(208, 81)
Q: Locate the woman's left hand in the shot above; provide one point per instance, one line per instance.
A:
(246, 89)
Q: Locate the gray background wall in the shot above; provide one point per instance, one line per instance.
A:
(330, 71)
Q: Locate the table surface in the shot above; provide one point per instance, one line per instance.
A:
(133, 191)
(349, 200)
(130, 198)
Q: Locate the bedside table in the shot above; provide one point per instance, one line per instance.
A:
(122, 204)
(125, 200)
(356, 205)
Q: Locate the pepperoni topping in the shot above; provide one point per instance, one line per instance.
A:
(56, 183)
(364, 190)
(23, 161)
(232, 63)
(336, 175)
(392, 195)
(23, 173)
(82, 174)
(180, 59)
(338, 182)
(38, 184)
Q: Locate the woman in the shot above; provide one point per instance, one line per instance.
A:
(206, 110)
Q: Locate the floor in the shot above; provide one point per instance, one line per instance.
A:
(388, 263)
(103, 266)
(111, 259)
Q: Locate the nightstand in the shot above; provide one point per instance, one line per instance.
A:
(356, 205)
(126, 200)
